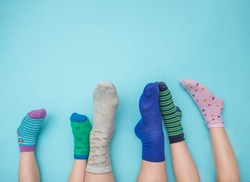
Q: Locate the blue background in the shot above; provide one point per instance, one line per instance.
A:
(52, 54)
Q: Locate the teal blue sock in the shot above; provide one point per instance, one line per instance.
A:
(28, 130)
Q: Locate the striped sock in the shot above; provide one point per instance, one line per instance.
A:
(28, 130)
(171, 114)
(81, 128)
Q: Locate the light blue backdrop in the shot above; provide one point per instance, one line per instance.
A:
(52, 54)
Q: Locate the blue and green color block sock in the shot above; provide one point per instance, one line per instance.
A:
(81, 128)
(171, 114)
(28, 130)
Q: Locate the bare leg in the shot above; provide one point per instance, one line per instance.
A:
(78, 171)
(81, 128)
(27, 133)
(211, 107)
(149, 131)
(152, 171)
(184, 167)
(28, 169)
(225, 161)
(105, 177)
(105, 105)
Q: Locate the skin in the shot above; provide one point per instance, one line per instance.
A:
(106, 177)
(152, 172)
(76, 175)
(184, 167)
(225, 161)
(28, 169)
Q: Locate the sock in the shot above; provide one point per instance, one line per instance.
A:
(210, 105)
(149, 128)
(28, 130)
(171, 115)
(81, 128)
(105, 105)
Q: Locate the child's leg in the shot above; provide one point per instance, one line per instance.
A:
(105, 105)
(81, 128)
(149, 130)
(27, 134)
(184, 167)
(225, 161)
(211, 108)
(28, 169)
(152, 171)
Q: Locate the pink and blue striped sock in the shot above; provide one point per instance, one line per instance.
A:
(28, 130)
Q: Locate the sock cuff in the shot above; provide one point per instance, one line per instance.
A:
(98, 170)
(219, 124)
(27, 148)
(176, 138)
(153, 159)
(81, 157)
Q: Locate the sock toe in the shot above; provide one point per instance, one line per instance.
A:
(105, 93)
(149, 97)
(183, 83)
(105, 86)
(75, 117)
(151, 89)
(149, 103)
(37, 114)
(162, 86)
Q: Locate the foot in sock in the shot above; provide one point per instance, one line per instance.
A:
(149, 128)
(105, 105)
(171, 114)
(209, 104)
(81, 128)
(28, 130)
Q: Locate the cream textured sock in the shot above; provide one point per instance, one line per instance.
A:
(105, 104)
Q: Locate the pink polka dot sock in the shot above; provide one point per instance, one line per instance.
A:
(210, 105)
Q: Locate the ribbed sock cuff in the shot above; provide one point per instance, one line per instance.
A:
(27, 148)
(176, 138)
(83, 157)
(98, 170)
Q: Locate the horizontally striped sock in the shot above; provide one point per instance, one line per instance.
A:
(28, 130)
(81, 128)
(171, 114)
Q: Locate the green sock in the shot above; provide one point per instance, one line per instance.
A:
(171, 114)
(81, 128)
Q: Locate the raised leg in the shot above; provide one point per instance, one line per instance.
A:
(105, 105)
(27, 133)
(28, 169)
(211, 108)
(81, 128)
(149, 131)
(184, 167)
(225, 160)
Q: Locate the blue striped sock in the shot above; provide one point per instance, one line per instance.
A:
(28, 130)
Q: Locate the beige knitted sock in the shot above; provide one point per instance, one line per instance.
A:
(105, 104)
